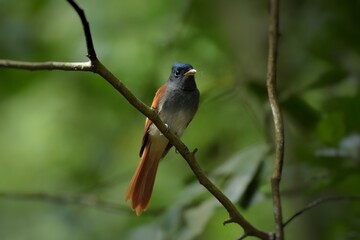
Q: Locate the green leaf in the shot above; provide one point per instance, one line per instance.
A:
(243, 173)
(252, 188)
(258, 89)
(239, 162)
(329, 78)
(301, 112)
(349, 107)
(196, 219)
(151, 231)
(331, 128)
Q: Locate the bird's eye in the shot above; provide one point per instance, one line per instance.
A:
(177, 73)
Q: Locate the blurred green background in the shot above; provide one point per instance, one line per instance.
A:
(71, 133)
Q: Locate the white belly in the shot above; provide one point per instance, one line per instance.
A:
(177, 122)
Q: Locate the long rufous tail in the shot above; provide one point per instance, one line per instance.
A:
(142, 183)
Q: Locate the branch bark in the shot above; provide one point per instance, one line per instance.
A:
(97, 67)
(65, 66)
(277, 117)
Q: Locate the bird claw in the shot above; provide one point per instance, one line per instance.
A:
(167, 129)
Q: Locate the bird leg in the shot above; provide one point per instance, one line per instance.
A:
(167, 128)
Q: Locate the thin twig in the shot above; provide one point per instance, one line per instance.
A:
(84, 200)
(275, 108)
(88, 37)
(99, 68)
(319, 201)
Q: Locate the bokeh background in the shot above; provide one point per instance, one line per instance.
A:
(71, 134)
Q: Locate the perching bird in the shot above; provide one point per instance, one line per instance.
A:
(176, 103)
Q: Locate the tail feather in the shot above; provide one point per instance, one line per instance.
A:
(142, 183)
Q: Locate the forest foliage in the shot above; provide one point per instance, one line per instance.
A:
(71, 133)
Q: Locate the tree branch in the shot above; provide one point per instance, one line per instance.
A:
(88, 37)
(275, 108)
(97, 67)
(319, 201)
(84, 200)
(65, 66)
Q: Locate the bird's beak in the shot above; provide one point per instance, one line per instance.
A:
(191, 72)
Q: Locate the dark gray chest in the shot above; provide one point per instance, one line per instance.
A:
(179, 108)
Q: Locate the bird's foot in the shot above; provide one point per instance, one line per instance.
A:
(167, 128)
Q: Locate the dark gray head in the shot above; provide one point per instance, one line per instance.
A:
(182, 76)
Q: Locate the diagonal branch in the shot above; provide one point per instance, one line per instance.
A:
(97, 67)
(277, 116)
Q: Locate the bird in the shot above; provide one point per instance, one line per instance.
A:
(176, 102)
